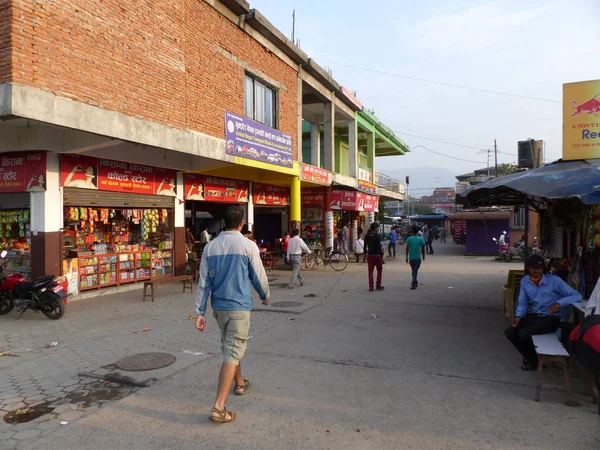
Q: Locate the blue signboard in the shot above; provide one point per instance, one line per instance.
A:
(250, 139)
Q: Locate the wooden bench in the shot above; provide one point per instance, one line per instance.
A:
(187, 284)
(549, 349)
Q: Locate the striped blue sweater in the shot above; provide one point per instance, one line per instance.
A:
(230, 266)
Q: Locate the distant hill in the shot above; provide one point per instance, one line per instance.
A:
(423, 180)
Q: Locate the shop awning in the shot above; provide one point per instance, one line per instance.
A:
(561, 179)
(481, 215)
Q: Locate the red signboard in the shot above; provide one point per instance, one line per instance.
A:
(460, 227)
(315, 175)
(314, 197)
(353, 201)
(264, 194)
(367, 186)
(193, 185)
(116, 176)
(23, 172)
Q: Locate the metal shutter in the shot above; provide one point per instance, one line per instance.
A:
(18, 200)
(94, 198)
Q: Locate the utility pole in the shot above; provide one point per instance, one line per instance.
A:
(489, 156)
(293, 26)
(496, 156)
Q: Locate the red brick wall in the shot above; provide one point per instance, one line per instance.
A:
(5, 44)
(144, 58)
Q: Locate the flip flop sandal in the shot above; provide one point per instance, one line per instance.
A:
(222, 415)
(241, 389)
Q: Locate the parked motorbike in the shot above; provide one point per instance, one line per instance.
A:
(43, 294)
(504, 250)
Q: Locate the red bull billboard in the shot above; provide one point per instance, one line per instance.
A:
(581, 120)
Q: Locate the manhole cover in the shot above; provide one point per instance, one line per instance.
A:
(145, 361)
(287, 304)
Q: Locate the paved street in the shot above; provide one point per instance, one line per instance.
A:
(432, 371)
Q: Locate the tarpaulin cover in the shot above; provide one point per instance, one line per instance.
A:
(562, 179)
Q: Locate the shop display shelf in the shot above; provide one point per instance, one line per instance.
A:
(88, 288)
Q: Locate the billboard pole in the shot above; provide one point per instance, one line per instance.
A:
(496, 156)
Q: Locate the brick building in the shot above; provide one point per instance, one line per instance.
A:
(153, 116)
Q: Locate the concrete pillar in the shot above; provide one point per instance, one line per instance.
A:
(46, 223)
(371, 150)
(250, 208)
(179, 224)
(328, 219)
(329, 136)
(295, 200)
(315, 145)
(353, 148)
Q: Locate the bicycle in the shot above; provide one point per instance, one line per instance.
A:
(320, 256)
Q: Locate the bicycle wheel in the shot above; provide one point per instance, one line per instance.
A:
(309, 261)
(338, 261)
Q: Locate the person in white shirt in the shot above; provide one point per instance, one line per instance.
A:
(204, 236)
(359, 248)
(295, 248)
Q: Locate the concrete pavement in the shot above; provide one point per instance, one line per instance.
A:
(433, 371)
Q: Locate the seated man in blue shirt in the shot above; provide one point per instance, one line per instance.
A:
(547, 294)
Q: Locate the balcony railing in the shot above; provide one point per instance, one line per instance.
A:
(386, 182)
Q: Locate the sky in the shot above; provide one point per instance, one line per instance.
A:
(523, 48)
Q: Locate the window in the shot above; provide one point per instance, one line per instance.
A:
(260, 102)
(519, 218)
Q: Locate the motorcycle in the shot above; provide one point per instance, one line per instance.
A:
(503, 249)
(43, 294)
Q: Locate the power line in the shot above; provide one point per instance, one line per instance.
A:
(439, 140)
(448, 156)
(442, 83)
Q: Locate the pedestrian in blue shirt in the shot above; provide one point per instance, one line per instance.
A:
(392, 244)
(415, 252)
(547, 294)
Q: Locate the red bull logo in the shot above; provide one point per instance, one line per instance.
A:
(592, 106)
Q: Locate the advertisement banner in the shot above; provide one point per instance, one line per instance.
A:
(223, 190)
(316, 175)
(264, 194)
(23, 172)
(367, 186)
(371, 203)
(313, 197)
(117, 176)
(354, 201)
(581, 120)
(193, 186)
(250, 139)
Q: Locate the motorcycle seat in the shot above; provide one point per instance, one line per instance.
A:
(41, 281)
(24, 286)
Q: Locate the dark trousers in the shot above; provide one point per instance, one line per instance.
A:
(392, 246)
(429, 248)
(415, 265)
(530, 325)
(375, 262)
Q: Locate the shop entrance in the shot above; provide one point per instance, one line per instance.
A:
(270, 225)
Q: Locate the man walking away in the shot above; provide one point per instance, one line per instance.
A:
(359, 248)
(294, 254)
(374, 251)
(429, 241)
(415, 249)
(392, 244)
(443, 235)
(230, 265)
(546, 294)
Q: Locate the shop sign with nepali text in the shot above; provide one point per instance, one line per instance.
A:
(22, 172)
(251, 139)
(87, 172)
(264, 194)
(367, 186)
(215, 189)
(353, 201)
(313, 197)
(581, 120)
(313, 174)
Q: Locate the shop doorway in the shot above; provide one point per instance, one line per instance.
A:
(270, 225)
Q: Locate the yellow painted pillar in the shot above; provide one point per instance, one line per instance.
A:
(295, 200)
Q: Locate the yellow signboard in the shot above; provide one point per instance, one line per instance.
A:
(581, 120)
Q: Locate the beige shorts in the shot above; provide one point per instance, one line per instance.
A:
(234, 326)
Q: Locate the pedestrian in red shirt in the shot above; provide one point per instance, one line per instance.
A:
(284, 246)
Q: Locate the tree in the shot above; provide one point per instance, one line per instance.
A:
(505, 169)
(420, 208)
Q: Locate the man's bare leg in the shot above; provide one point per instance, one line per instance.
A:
(226, 377)
(239, 379)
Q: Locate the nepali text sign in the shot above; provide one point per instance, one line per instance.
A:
(353, 201)
(109, 175)
(581, 120)
(367, 186)
(313, 197)
(250, 139)
(22, 171)
(316, 175)
(264, 194)
(215, 189)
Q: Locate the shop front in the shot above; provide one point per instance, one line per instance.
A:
(21, 173)
(351, 208)
(271, 213)
(313, 202)
(118, 222)
(206, 199)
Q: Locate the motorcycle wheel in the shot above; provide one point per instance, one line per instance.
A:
(7, 304)
(55, 308)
